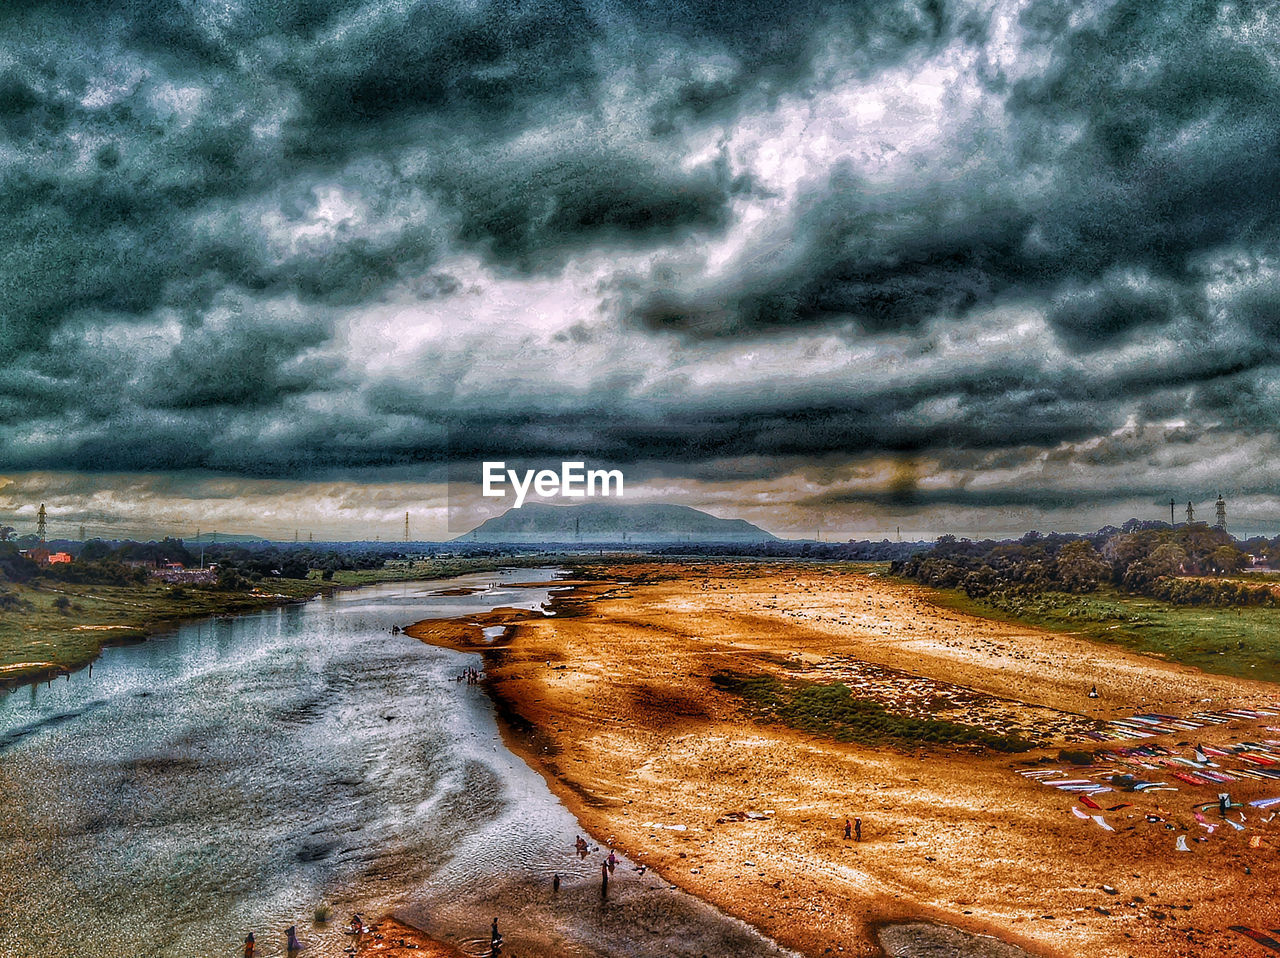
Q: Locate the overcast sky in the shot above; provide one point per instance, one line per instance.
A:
(978, 268)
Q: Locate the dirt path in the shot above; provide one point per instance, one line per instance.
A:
(615, 705)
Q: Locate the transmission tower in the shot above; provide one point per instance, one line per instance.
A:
(1191, 514)
(41, 519)
(1220, 516)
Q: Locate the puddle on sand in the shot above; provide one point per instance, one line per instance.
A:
(924, 940)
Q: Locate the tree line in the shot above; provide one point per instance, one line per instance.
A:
(127, 562)
(1183, 564)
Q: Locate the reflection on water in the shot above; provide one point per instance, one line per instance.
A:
(240, 772)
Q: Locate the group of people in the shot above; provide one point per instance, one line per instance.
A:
(853, 829)
(471, 675)
(292, 945)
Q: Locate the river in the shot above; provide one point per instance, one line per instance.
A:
(239, 772)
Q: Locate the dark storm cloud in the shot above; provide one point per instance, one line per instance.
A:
(857, 255)
(980, 498)
(1155, 127)
(193, 194)
(103, 202)
(602, 194)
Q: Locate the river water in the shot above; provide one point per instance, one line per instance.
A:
(237, 773)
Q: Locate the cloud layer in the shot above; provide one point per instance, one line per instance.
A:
(771, 248)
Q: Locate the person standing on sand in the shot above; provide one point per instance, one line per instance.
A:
(249, 945)
(604, 878)
(848, 829)
(857, 829)
(291, 939)
(555, 883)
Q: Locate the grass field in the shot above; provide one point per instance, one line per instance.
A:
(832, 710)
(38, 638)
(1243, 642)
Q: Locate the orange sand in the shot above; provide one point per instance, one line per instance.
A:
(612, 701)
(387, 935)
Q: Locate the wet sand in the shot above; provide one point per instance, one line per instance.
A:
(390, 938)
(611, 700)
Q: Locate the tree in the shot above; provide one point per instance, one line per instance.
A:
(231, 580)
(1080, 568)
(1227, 559)
(1167, 559)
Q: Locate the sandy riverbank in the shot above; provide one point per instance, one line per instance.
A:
(391, 938)
(614, 704)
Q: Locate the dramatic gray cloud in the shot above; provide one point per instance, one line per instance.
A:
(757, 252)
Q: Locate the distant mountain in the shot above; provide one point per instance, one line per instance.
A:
(606, 523)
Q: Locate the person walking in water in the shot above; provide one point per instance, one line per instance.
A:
(292, 944)
(555, 882)
(495, 939)
(611, 861)
(249, 945)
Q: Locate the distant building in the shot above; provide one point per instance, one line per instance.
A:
(42, 556)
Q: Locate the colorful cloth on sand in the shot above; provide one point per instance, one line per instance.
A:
(1260, 937)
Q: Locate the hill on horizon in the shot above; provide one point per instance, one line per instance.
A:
(599, 522)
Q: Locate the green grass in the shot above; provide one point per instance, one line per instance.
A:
(41, 638)
(831, 710)
(1242, 642)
